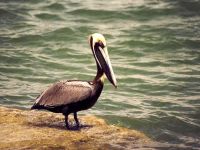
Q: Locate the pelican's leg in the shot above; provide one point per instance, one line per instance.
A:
(76, 119)
(66, 122)
(66, 113)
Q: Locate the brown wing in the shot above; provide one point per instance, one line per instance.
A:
(62, 93)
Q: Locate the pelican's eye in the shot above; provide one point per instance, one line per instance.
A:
(101, 44)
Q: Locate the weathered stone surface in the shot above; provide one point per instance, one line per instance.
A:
(27, 129)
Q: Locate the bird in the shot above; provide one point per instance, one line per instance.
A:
(71, 96)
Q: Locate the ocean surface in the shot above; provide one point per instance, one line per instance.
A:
(154, 47)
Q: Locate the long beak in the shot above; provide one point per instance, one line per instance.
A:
(103, 60)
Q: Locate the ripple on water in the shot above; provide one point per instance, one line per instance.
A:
(154, 50)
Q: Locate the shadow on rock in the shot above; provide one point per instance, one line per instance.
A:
(58, 124)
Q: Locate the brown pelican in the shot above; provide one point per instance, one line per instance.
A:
(73, 95)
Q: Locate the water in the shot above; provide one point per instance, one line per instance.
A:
(154, 47)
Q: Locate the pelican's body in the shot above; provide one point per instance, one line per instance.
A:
(72, 96)
(81, 96)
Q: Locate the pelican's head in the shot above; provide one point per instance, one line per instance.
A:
(99, 49)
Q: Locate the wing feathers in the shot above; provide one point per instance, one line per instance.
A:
(62, 93)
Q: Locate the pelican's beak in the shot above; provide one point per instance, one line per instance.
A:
(102, 58)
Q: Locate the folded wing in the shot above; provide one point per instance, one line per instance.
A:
(63, 93)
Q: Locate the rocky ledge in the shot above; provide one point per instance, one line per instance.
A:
(27, 129)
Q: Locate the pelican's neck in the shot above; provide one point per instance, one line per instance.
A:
(100, 76)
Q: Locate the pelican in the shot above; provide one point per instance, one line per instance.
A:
(72, 96)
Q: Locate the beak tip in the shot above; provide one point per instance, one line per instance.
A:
(115, 85)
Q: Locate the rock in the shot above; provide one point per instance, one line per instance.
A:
(32, 129)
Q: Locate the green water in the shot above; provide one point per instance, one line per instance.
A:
(154, 48)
